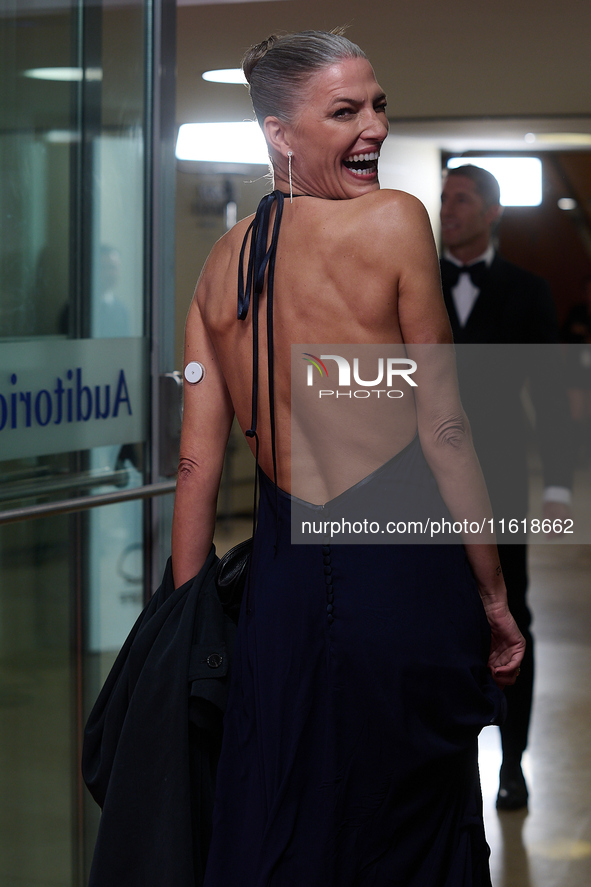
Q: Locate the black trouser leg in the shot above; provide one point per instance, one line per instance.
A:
(519, 696)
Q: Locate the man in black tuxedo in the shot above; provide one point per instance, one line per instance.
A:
(504, 322)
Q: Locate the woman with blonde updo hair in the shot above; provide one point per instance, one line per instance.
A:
(365, 664)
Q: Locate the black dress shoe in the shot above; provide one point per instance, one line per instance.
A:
(513, 792)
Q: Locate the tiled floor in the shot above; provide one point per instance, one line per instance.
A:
(550, 845)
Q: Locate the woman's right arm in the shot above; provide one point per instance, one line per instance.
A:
(207, 418)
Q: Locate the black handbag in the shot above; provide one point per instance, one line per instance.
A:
(230, 577)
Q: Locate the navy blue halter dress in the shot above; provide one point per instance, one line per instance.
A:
(359, 688)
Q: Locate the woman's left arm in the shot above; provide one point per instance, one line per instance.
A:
(207, 419)
(444, 430)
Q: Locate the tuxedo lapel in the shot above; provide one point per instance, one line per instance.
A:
(488, 318)
(477, 326)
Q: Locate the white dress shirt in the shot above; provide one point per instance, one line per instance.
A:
(464, 293)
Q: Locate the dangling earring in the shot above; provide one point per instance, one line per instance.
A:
(289, 156)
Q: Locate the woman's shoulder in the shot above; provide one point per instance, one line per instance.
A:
(223, 257)
(229, 243)
(391, 206)
(380, 216)
(387, 220)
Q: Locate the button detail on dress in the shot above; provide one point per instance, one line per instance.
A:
(326, 558)
(214, 660)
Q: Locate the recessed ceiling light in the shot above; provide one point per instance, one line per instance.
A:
(560, 138)
(64, 74)
(62, 136)
(567, 203)
(225, 75)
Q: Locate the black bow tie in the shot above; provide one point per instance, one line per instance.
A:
(450, 273)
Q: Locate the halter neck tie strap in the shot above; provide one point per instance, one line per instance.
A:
(261, 262)
(259, 255)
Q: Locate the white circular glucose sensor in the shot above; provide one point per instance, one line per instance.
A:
(194, 372)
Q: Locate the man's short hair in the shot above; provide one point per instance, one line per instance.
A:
(486, 184)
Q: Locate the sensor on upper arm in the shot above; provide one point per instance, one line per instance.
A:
(194, 372)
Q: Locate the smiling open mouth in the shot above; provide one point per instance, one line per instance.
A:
(362, 164)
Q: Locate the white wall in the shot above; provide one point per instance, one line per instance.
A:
(413, 165)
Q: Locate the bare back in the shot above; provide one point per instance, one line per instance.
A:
(340, 269)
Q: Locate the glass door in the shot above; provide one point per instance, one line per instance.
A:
(84, 339)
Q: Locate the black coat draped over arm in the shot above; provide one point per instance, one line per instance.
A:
(152, 741)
